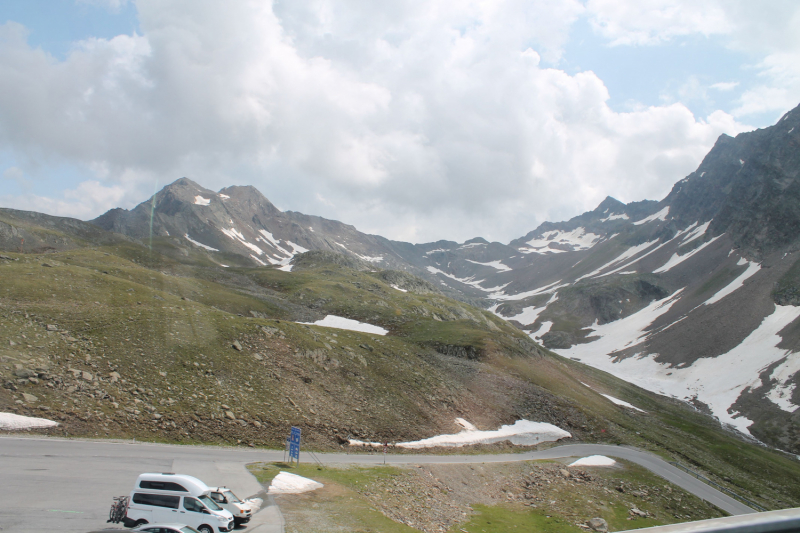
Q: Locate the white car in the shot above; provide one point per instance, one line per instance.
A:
(242, 510)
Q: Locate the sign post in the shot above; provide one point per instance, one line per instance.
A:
(294, 445)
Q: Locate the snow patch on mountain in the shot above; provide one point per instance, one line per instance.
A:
(622, 403)
(609, 218)
(199, 200)
(200, 244)
(781, 394)
(676, 259)
(716, 381)
(577, 239)
(527, 316)
(268, 238)
(544, 328)
(695, 234)
(223, 196)
(376, 259)
(467, 281)
(633, 251)
(494, 264)
(339, 322)
(661, 215)
(547, 289)
(237, 235)
(752, 269)
(436, 250)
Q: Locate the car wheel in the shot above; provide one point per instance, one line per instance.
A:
(205, 529)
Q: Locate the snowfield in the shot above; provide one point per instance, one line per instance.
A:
(338, 322)
(10, 421)
(199, 200)
(286, 483)
(715, 381)
(577, 239)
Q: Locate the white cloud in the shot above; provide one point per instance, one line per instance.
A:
(724, 86)
(647, 22)
(88, 200)
(17, 175)
(112, 5)
(417, 120)
(764, 31)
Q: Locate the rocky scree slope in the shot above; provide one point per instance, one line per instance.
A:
(122, 341)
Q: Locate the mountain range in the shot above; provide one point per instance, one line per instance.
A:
(695, 296)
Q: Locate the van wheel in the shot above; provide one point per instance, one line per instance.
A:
(205, 529)
(140, 523)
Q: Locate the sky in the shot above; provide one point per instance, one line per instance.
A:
(416, 120)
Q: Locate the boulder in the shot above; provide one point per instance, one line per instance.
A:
(237, 346)
(30, 398)
(598, 524)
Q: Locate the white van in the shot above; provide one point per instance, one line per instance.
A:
(171, 498)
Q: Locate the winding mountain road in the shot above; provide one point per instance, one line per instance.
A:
(66, 485)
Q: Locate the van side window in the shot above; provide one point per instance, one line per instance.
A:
(190, 504)
(162, 485)
(218, 497)
(157, 500)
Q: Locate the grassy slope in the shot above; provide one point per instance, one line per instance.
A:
(166, 324)
(531, 496)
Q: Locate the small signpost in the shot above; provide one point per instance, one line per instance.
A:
(294, 445)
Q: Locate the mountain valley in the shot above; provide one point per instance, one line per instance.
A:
(191, 318)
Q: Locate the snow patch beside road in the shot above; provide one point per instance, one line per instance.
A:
(286, 483)
(10, 421)
(594, 460)
(521, 433)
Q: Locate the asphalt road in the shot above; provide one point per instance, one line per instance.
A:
(67, 485)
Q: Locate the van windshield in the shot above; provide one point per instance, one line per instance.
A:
(232, 497)
(211, 504)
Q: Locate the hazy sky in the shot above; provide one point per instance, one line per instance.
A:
(416, 120)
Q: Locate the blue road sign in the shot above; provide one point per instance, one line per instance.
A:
(294, 444)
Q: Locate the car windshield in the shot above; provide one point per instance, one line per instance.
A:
(188, 529)
(211, 504)
(232, 497)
